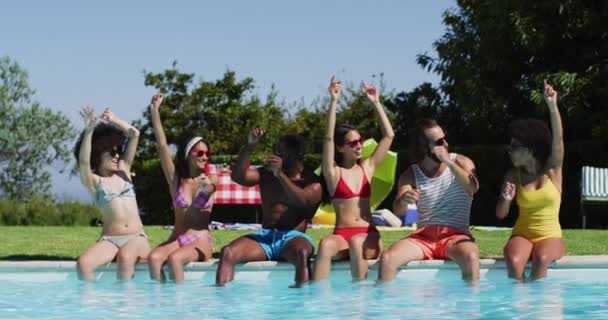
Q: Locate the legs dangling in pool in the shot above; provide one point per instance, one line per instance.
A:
(178, 256)
(158, 257)
(297, 252)
(199, 250)
(129, 254)
(466, 254)
(544, 253)
(103, 252)
(400, 253)
(519, 250)
(243, 249)
(357, 248)
(362, 247)
(331, 247)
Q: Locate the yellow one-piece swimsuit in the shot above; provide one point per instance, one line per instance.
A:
(538, 213)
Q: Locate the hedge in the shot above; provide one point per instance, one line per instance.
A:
(45, 212)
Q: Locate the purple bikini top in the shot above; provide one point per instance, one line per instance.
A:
(201, 201)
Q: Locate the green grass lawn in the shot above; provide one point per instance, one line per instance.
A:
(65, 243)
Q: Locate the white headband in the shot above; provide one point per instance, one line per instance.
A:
(191, 144)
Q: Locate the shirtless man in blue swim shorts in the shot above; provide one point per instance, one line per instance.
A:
(290, 197)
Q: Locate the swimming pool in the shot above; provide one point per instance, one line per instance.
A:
(423, 291)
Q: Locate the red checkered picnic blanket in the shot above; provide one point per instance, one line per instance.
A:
(230, 192)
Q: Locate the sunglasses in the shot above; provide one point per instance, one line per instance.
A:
(115, 152)
(199, 153)
(354, 143)
(440, 142)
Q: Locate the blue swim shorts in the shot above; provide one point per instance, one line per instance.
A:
(273, 241)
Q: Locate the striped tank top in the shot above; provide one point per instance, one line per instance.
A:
(443, 201)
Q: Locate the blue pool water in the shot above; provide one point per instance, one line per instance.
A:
(415, 294)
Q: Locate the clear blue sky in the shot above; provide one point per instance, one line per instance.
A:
(82, 52)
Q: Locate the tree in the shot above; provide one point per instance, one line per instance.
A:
(354, 109)
(310, 123)
(425, 101)
(221, 111)
(495, 54)
(31, 137)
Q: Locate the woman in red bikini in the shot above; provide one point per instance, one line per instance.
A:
(191, 190)
(348, 183)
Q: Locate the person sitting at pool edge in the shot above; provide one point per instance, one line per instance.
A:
(290, 196)
(347, 177)
(192, 190)
(104, 166)
(442, 184)
(535, 182)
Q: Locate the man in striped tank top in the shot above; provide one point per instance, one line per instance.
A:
(442, 184)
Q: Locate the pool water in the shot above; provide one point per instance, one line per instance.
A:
(415, 294)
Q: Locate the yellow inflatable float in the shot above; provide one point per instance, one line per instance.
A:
(381, 184)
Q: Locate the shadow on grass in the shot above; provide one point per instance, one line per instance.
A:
(25, 257)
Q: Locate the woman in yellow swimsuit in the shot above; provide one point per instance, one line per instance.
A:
(535, 182)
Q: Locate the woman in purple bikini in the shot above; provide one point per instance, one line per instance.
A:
(191, 190)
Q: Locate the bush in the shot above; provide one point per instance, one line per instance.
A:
(45, 212)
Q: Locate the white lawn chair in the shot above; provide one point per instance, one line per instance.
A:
(594, 188)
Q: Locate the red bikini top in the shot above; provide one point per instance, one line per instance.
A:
(344, 192)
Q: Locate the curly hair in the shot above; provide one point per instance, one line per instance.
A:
(290, 148)
(535, 136)
(105, 138)
(419, 142)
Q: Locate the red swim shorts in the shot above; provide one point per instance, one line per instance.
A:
(435, 239)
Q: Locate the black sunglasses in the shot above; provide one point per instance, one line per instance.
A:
(115, 152)
(440, 142)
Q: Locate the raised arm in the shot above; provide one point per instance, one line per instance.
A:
(241, 173)
(462, 168)
(406, 192)
(387, 130)
(130, 131)
(556, 159)
(162, 146)
(84, 154)
(507, 194)
(327, 163)
(308, 196)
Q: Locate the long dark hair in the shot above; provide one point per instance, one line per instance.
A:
(182, 171)
(339, 138)
(419, 143)
(105, 138)
(340, 133)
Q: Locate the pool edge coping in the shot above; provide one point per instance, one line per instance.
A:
(566, 262)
